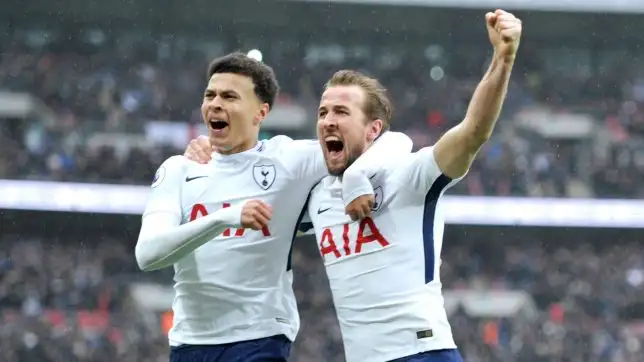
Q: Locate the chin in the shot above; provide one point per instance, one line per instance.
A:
(336, 170)
(220, 146)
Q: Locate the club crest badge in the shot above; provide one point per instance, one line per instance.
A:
(264, 175)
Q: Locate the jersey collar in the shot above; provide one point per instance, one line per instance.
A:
(259, 147)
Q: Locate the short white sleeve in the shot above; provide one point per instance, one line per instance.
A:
(384, 151)
(419, 172)
(307, 159)
(165, 194)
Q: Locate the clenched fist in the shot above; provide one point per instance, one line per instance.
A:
(256, 214)
(199, 150)
(504, 30)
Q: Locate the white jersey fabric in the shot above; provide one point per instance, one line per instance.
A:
(237, 286)
(384, 271)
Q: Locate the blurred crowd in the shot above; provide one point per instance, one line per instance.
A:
(67, 300)
(95, 83)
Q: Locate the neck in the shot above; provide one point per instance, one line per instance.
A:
(244, 146)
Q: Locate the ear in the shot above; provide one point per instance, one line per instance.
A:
(261, 114)
(373, 130)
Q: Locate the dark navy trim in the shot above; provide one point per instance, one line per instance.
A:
(305, 226)
(431, 199)
(297, 227)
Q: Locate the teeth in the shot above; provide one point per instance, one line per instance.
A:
(332, 138)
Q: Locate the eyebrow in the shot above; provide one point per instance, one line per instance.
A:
(224, 91)
(335, 107)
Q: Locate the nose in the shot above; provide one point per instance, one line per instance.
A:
(328, 122)
(215, 104)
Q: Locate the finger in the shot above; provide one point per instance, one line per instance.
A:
(490, 18)
(371, 199)
(366, 210)
(265, 206)
(355, 214)
(367, 205)
(509, 25)
(192, 152)
(190, 149)
(510, 34)
(359, 211)
(255, 225)
(261, 220)
(352, 211)
(247, 221)
(264, 211)
(506, 24)
(506, 16)
(253, 219)
(203, 142)
(204, 147)
(501, 12)
(204, 157)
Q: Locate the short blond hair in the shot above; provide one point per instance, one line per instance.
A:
(377, 104)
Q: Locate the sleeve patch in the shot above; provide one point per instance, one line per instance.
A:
(158, 176)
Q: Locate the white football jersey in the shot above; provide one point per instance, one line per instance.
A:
(239, 286)
(384, 271)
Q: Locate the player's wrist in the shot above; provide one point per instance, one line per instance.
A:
(231, 216)
(503, 59)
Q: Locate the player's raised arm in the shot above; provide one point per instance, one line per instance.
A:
(163, 240)
(456, 149)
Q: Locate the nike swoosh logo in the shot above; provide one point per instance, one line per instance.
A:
(323, 210)
(188, 179)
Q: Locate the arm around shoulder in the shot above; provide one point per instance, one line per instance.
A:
(387, 149)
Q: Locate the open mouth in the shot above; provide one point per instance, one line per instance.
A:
(334, 145)
(218, 125)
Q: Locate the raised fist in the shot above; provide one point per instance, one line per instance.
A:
(504, 30)
(199, 150)
(255, 214)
